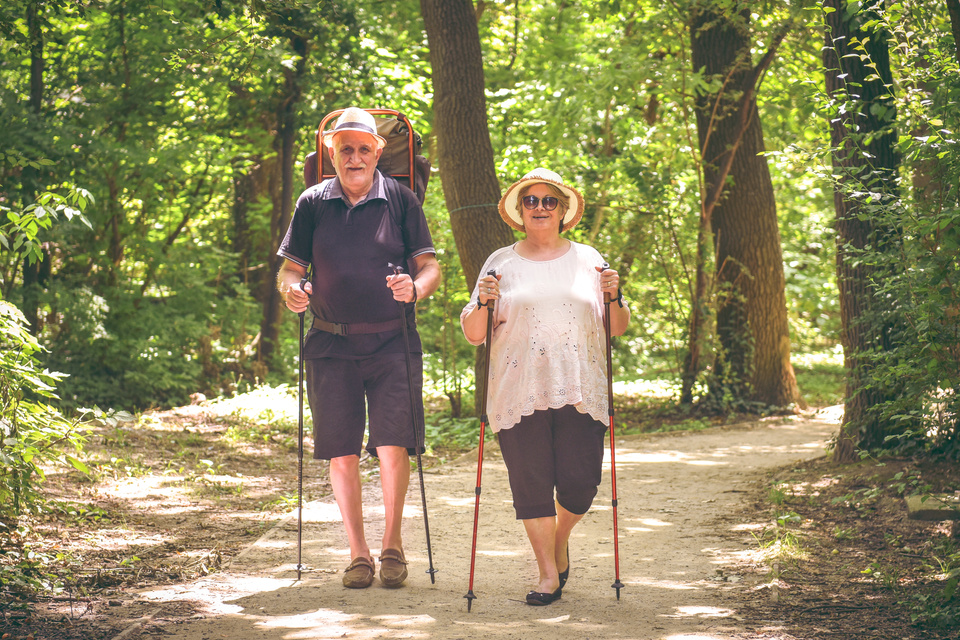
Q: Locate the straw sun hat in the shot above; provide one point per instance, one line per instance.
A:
(508, 203)
(354, 119)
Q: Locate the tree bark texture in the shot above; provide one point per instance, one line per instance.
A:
(954, 7)
(31, 272)
(752, 324)
(856, 157)
(464, 152)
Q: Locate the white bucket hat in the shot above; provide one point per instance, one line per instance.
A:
(354, 119)
(508, 203)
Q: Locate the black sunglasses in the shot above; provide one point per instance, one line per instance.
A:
(549, 202)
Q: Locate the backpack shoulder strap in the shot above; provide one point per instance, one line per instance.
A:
(394, 198)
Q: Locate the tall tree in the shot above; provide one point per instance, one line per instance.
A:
(34, 269)
(856, 64)
(739, 209)
(464, 153)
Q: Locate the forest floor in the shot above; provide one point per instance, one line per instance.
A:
(187, 529)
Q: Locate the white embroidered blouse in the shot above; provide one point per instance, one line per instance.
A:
(548, 337)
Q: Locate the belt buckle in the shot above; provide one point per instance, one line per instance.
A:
(339, 329)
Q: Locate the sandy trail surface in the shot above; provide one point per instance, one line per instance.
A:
(680, 539)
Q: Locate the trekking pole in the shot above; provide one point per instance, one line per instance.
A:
(417, 422)
(483, 422)
(303, 282)
(613, 456)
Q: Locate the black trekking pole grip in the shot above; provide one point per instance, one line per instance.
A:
(606, 328)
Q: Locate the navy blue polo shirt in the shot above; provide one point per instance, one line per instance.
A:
(350, 248)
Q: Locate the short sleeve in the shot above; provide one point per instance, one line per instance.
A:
(416, 232)
(297, 244)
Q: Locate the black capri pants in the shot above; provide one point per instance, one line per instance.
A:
(555, 449)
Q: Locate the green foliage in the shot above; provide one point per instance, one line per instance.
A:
(782, 542)
(821, 377)
(940, 606)
(914, 361)
(162, 111)
(33, 432)
(444, 432)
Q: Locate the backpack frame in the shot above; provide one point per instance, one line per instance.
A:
(400, 159)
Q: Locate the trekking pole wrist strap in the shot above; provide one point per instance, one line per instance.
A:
(619, 298)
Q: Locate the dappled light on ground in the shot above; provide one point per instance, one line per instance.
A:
(702, 612)
(674, 549)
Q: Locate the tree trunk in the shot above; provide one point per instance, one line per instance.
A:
(245, 193)
(464, 152)
(752, 325)
(954, 7)
(32, 281)
(867, 154)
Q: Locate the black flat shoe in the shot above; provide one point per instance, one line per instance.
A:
(538, 598)
(565, 573)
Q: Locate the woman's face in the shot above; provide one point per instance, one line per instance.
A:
(539, 219)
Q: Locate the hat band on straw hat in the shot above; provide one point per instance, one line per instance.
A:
(357, 126)
(354, 119)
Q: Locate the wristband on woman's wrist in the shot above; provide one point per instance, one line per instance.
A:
(482, 304)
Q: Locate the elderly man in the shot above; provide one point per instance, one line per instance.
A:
(351, 229)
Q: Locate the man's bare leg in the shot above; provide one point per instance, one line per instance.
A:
(394, 481)
(345, 478)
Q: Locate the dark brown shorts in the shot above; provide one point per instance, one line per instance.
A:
(554, 450)
(342, 393)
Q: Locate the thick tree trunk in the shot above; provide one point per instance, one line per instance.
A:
(31, 272)
(865, 154)
(954, 8)
(464, 152)
(245, 193)
(752, 322)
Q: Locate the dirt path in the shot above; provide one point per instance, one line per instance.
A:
(677, 494)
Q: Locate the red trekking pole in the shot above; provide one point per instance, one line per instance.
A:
(483, 422)
(613, 456)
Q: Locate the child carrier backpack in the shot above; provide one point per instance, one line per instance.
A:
(400, 159)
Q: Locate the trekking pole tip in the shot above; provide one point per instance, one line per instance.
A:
(432, 571)
(617, 585)
(470, 598)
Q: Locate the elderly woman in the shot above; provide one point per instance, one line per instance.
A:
(547, 395)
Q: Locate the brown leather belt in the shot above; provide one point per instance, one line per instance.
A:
(355, 328)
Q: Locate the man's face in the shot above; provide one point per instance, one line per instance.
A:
(355, 155)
